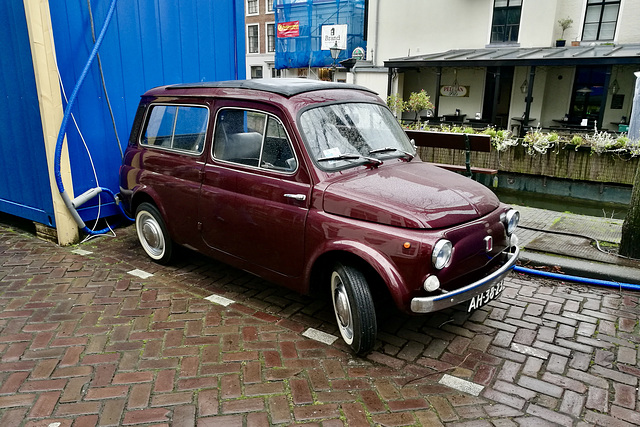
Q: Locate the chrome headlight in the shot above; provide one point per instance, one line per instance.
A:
(510, 220)
(441, 255)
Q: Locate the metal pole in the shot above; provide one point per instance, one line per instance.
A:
(528, 100)
(437, 98)
(496, 97)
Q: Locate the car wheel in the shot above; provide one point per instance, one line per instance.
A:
(353, 307)
(153, 234)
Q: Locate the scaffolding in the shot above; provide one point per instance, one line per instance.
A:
(304, 49)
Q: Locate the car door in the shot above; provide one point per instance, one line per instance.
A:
(173, 146)
(255, 194)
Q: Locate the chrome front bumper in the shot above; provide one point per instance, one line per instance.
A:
(439, 302)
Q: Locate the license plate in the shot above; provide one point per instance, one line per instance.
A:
(490, 294)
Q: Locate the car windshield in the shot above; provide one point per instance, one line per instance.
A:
(350, 134)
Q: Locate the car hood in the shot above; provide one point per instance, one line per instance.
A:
(410, 195)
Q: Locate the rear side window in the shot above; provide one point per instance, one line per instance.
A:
(176, 127)
(254, 139)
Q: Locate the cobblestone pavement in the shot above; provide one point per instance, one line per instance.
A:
(84, 342)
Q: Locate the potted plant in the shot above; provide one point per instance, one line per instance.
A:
(419, 101)
(564, 23)
(396, 104)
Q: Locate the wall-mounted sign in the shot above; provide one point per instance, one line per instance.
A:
(454, 90)
(289, 29)
(332, 35)
(358, 53)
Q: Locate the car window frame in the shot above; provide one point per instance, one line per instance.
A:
(145, 125)
(319, 165)
(245, 166)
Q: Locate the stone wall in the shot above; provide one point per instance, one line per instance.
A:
(566, 163)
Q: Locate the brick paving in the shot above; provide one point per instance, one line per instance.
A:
(83, 342)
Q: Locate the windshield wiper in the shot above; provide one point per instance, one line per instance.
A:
(351, 156)
(406, 154)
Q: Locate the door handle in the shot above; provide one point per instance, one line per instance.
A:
(299, 197)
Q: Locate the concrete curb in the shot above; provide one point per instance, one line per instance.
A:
(582, 268)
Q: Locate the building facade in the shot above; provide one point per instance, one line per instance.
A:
(499, 62)
(260, 38)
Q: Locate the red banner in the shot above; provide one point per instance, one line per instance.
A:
(289, 29)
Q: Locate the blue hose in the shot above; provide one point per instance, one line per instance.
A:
(607, 283)
(63, 130)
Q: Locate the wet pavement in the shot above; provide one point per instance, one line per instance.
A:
(96, 334)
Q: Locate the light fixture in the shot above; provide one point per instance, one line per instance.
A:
(615, 87)
(335, 52)
(524, 87)
(585, 90)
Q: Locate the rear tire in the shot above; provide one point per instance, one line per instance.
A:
(353, 307)
(152, 233)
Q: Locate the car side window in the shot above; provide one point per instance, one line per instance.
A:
(176, 127)
(253, 138)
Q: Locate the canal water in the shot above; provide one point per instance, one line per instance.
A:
(562, 203)
(560, 195)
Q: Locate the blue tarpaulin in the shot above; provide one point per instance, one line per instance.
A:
(304, 50)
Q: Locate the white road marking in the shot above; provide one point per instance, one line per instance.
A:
(461, 385)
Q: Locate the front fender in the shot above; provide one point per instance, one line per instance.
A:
(376, 259)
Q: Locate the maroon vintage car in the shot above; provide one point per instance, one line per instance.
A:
(311, 184)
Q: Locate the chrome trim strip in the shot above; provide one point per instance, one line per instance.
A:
(439, 302)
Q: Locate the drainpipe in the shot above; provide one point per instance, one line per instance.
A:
(373, 58)
(528, 100)
(389, 81)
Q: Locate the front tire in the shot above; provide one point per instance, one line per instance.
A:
(353, 307)
(152, 233)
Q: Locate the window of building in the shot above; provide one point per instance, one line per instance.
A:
(256, 71)
(252, 38)
(588, 91)
(252, 7)
(269, 6)
(600, 19)
(275, 73)
(271, 37)
(506, 21)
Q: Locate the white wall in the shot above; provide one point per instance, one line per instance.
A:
(518, 104)
(538, 23)
(629, 22)
(626, 81)
(574, 9)
(557, 94)
(409, 27)
(261, 60)
(376, 81)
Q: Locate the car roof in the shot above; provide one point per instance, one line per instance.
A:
(284, 87)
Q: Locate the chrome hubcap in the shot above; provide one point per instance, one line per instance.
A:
(150, 235)
(342, 308)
